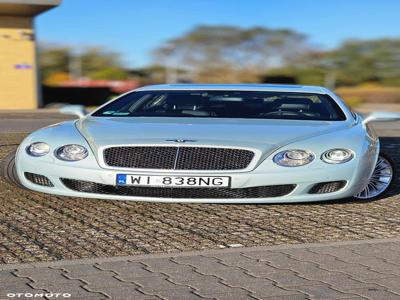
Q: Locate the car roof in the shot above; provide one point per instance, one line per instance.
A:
(238, 87)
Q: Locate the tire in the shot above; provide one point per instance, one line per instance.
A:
(8, 170)
(386, 158)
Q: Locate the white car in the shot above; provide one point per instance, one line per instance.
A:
(242, 143)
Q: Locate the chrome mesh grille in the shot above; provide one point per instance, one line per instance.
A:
(327, 187)
(188, 193)
(38, 179)
(140, 157)
(177, 158)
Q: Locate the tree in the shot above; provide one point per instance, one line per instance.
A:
(53, 60)
(231, 54)
(352, 63)
(92, 63)
(371, 60)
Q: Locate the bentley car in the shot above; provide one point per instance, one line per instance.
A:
(242, 143)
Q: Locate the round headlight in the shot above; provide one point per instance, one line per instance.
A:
(38, 149)
(72, 152)
(337, 156)
(293, 158)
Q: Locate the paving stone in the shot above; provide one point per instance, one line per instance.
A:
(264, 290)
(306, 255)
(180, 294)
(288, 278)
(135, 271)
(206, 265)
(260, 269)
(156, 284)
(323, 291)
(186, 278)
(391, 283)
(274, 258)
(99, 281)
(209, 286)
(296, 296)
(309, 270)
(74, 288)
(233, 259)
(42, 274)
(81, 270)
(376, 292)
(9, 277)
(345, 283)
(242, 295)
(375, 264)
(124, 292)
(17, 287)
(362, 273)
(166, 265)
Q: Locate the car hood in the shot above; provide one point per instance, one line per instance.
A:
(263, 135)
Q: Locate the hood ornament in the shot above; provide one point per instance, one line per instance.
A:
(181, 141)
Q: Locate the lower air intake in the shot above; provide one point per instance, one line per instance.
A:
(38, 179)
(327, 187)
(189, 193)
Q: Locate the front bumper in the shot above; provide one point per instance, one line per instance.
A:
(355, 173)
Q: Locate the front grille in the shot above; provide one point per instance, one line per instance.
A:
(327, 187)
(38, 179)
(189, 193)
(177, 158)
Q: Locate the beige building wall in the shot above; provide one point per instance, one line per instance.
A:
(18, 75)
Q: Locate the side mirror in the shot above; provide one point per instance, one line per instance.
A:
(382, 116)
(77, 110)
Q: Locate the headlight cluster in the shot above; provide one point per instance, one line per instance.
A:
(337, 156)
(71, 152)
(297, 158)
(38, 149)
(293, 158)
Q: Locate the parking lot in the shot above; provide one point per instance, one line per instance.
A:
(39, 227)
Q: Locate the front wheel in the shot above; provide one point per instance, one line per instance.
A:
(380, 180)
(8, 170)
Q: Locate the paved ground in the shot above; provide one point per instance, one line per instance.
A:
(39, 227)
(16, 121)
(352, 270)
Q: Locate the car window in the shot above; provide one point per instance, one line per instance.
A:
(224, 104)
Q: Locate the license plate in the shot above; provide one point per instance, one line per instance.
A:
(173, 181)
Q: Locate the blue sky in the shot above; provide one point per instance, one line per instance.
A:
(134, 28)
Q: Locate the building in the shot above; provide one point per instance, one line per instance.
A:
(19, 86)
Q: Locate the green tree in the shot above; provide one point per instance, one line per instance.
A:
(110, 73)
(53, 60)
(371, 60)
(226, 53)
(93, 63)
(352, 63)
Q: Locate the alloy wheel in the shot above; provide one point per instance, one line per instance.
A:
(379, 181)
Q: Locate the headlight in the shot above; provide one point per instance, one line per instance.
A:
(337, 156)
(38, 149)
(71, 152)
(293, 158)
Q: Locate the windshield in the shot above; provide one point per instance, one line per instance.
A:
(224, 104)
